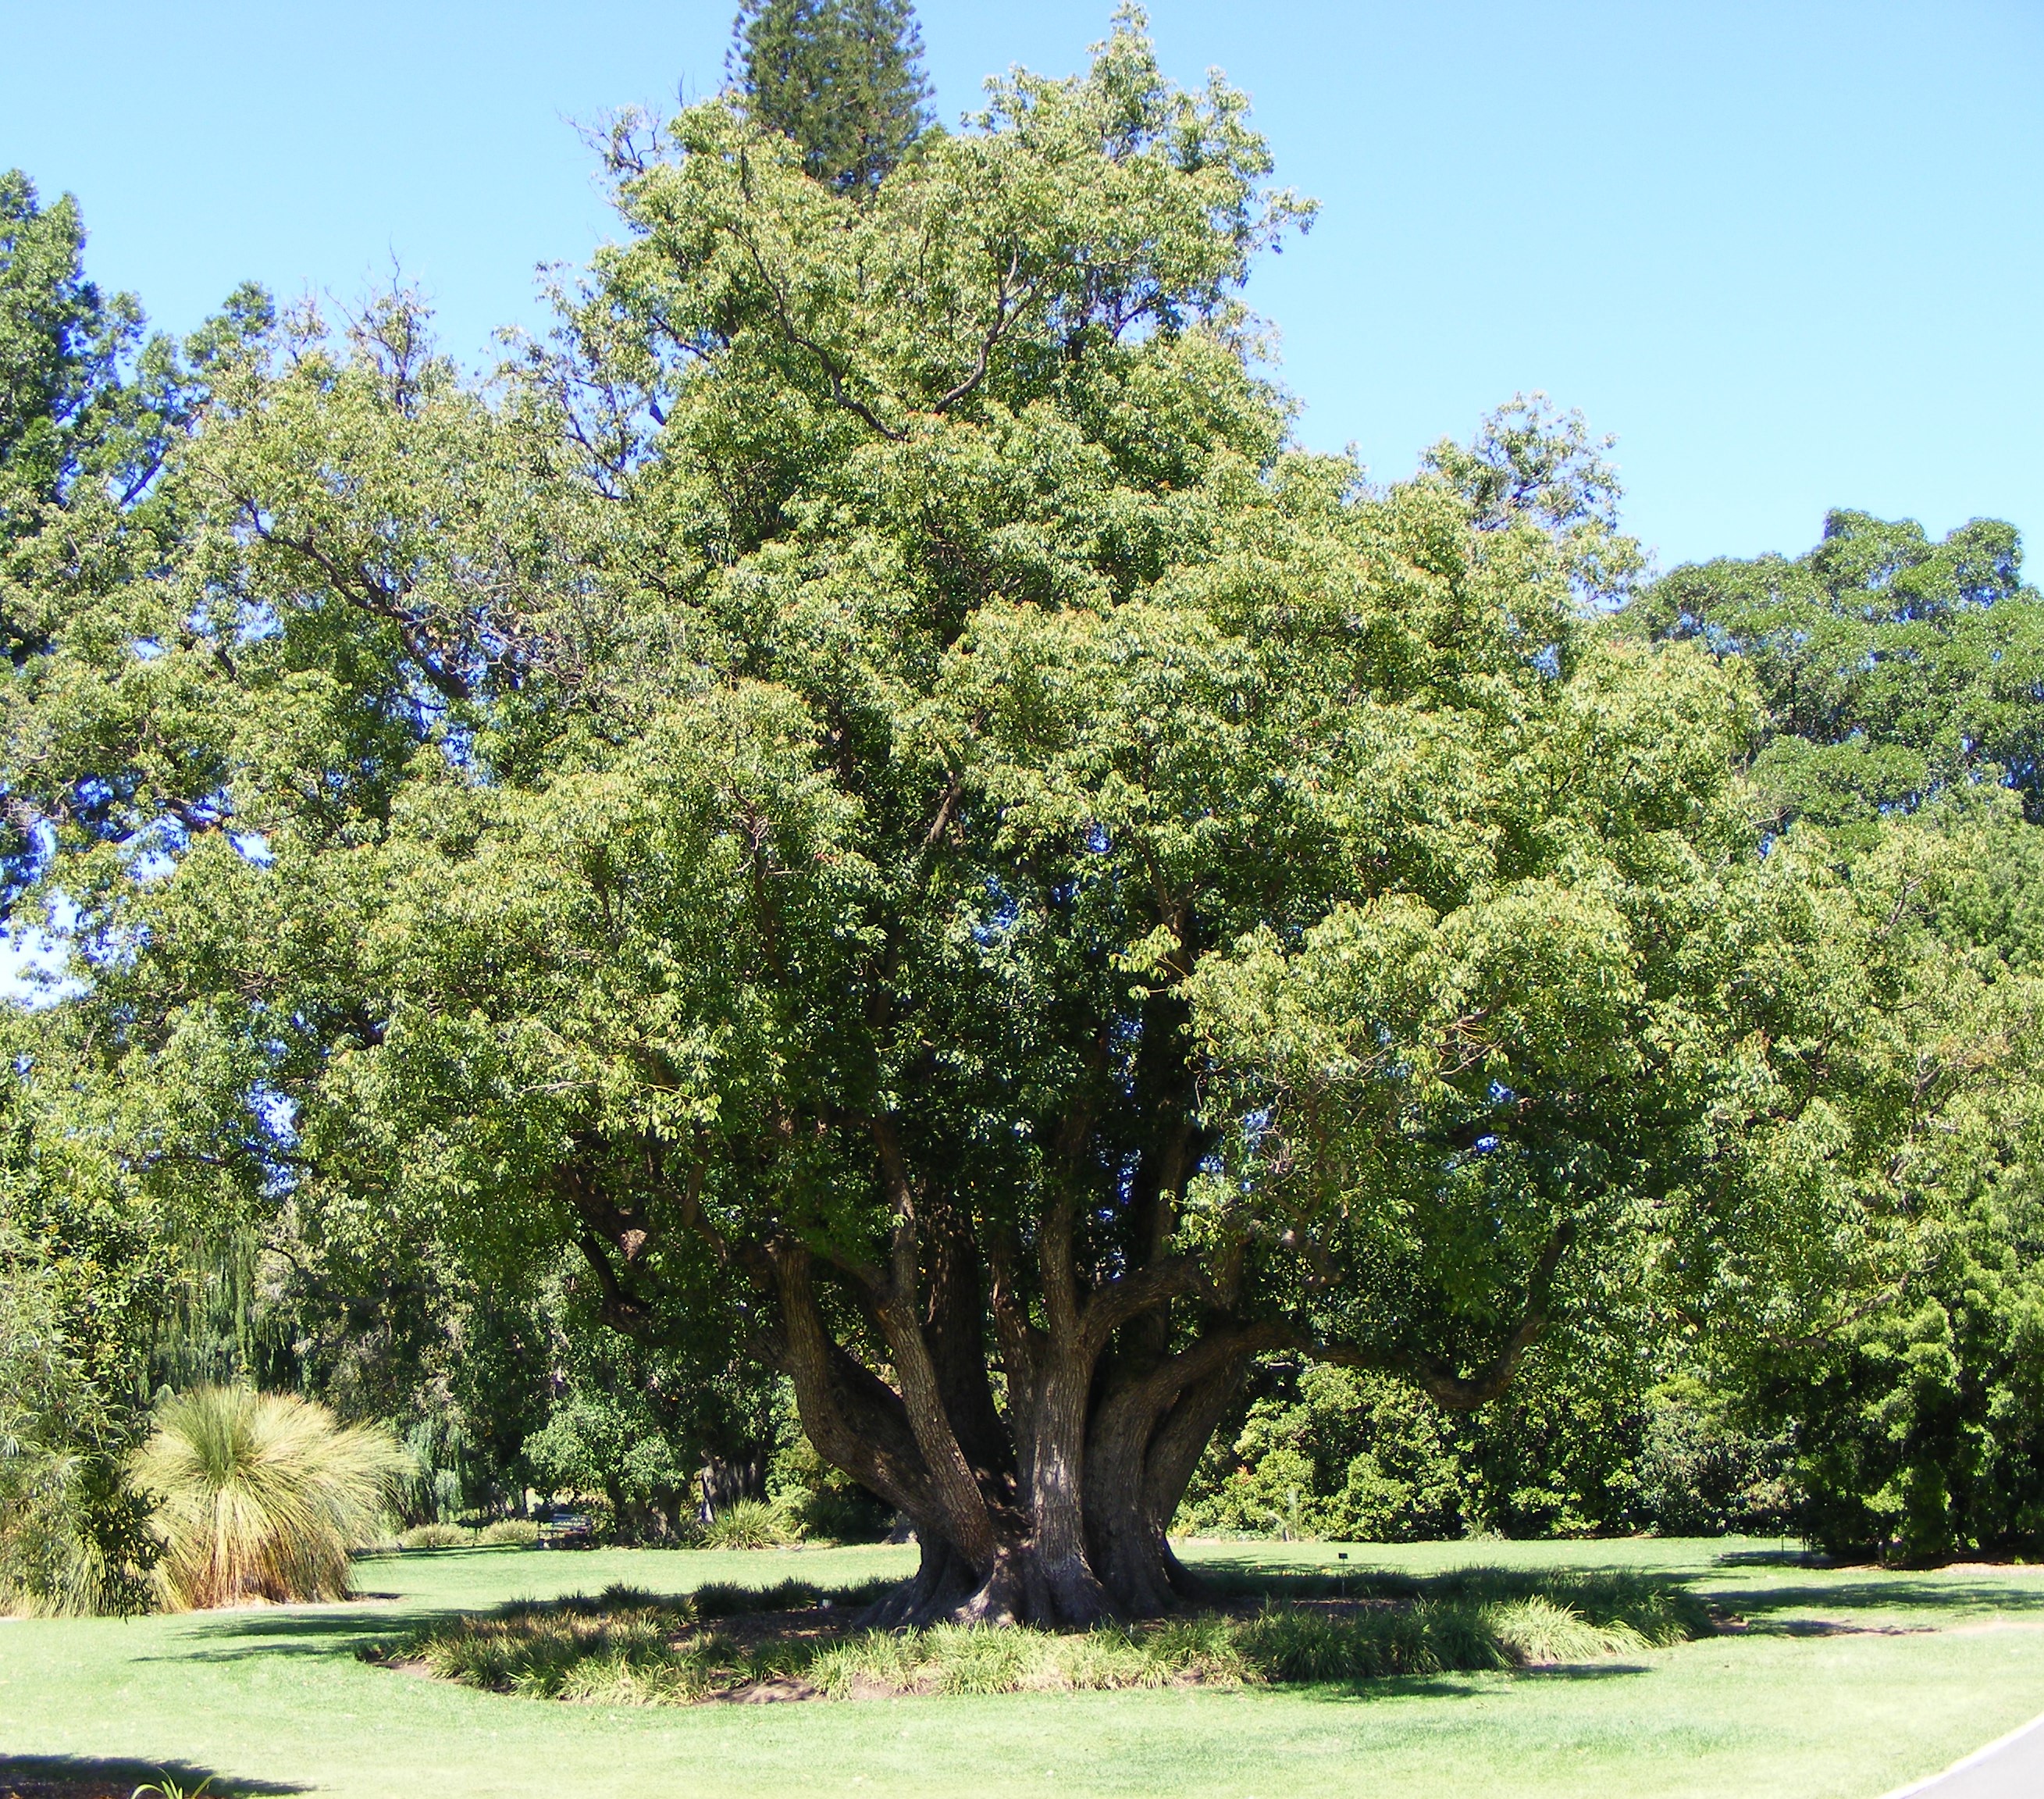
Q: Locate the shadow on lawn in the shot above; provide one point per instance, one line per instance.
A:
(1228, 1578)
(1452, 1684)
(1945, 1601)
(88, 1776)
(287, 1631)
(1773, 1558)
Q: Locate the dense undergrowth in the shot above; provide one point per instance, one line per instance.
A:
(627, 1647)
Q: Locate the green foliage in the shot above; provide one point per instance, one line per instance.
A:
(871, 757)
(1573, 1449)
(89, 415)
(71, 1538)
(259, 1495)
(66, 413)
(1700, 1468)
(85, 1275)
(818, 1501)
(1892, 667)
(842, 78)
(1898, 672)
(1917, 1432)
(1530, 464)
(594, 1447)
(1355, 1457)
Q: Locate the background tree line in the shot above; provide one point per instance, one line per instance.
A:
(856, 880)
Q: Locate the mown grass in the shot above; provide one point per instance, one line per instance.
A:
(628, 1647)
(1841, 1683)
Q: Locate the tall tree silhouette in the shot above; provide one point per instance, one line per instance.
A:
(843, 78)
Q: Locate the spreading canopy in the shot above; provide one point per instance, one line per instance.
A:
(871, 790)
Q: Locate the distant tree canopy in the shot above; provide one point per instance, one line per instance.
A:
(1892, 667)
(842, 78)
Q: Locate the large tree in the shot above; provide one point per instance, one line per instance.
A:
(874, 793)
(1903, 680)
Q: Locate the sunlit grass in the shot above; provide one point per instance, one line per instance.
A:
(1825, 1683)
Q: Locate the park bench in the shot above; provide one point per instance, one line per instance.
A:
(563, 1530)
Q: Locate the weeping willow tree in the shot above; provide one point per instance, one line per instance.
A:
(872, 793)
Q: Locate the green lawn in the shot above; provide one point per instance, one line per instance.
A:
(1846, 1683)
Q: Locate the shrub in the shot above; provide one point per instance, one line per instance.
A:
(260, 1496)
(435, 1536)
(73, 1538)
(508, 1532)
(1700, 1474)
(750, 1524)
(1354, 1457)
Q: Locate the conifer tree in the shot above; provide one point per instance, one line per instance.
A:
(843, 78)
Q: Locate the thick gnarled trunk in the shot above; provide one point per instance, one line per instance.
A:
(1054, 1510)
(1052, 1506)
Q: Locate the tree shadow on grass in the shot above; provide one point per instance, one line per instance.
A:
(1856, 1589)
(234, 1636)
(1947, 1601)
(1465, 1684)
(1773, 1558)
(1228, 1579)
(89, 1777)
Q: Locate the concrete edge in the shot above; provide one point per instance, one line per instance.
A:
(1965, 1762)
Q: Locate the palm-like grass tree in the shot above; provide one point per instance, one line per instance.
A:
(260, 1496)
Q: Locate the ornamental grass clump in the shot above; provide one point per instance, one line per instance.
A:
(260, 1496)
(626, 1646)
(750, 1524)
(436, 1536)
(1538, 1631)
(975, 1658)
(1295, 1644)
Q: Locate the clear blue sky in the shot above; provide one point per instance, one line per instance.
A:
(1792, 253)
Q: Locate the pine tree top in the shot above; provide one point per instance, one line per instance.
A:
(843, 78)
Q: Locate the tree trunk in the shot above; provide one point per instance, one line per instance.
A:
(1105, 1479)
(1054, 1513)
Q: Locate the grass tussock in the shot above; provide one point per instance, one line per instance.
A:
(749, 1524)
(436, 1536)
(501, 1533)
(259, 1495)
(624, 1646)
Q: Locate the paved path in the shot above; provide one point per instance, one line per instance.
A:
(2011, 1768)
